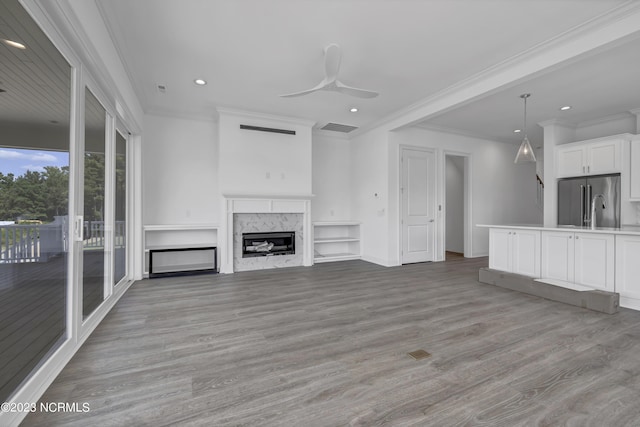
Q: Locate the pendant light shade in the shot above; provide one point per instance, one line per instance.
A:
(525, 153)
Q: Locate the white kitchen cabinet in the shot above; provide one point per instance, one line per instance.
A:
(589, 158)
(634, 171)
(558, 255)
(515, 251)
(584, 258)
(628, 268)
(595, 260)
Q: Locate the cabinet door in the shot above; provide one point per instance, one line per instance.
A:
(604, 157)
(595, 260)
(634, 171)
(557, 255)
(526, 252)
(571, 161)
(500, 249)
(628, 266)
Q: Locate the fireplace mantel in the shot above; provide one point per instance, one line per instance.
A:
(276, 203)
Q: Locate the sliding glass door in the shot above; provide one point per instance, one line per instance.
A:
(120, 229)
(35, 111)
(63, 201)
(94, 230)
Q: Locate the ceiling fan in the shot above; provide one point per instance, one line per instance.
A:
(332, 57)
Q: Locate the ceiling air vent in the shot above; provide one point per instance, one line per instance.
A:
(336, 127)
(272, 130)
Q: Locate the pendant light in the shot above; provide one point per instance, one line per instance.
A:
(525, 153)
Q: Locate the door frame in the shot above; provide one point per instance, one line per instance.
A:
(434, 175)
(468, 184)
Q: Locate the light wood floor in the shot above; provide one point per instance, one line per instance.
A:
(327, 346)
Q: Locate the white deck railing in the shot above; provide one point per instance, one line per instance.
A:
(32, 242)
(38, 242)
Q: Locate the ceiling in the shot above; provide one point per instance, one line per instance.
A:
(604, 85)
(36, 81)
(250, 51)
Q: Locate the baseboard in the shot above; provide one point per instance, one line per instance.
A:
(602, 301)
(379, 261)
(631, 303)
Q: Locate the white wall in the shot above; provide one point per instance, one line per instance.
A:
(501, 191)
(331, 178)
(180, 171)
(607, 127)
(370, 185)
(264, 163)
(454, 203)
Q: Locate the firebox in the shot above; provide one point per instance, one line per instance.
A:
(268, 244)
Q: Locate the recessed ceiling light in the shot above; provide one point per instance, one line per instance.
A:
(517, 131)
(200, 82)
(565, 108)
(354, 110)
(14, 44)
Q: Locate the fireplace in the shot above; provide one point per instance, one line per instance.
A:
(268, 244)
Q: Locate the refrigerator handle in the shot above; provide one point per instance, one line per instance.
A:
(588, 204)
(583, 215)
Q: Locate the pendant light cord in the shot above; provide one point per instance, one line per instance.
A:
(525, 96)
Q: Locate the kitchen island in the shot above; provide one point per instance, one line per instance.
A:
(575, 258)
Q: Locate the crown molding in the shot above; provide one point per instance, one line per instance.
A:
(452, 131)
(331, 134)
(607, 119)
(186, 115)
(558, 122)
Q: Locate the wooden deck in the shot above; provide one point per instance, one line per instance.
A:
(32, 317)
(328, 346)
(33, 312)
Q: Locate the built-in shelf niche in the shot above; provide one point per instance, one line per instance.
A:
(336, 241)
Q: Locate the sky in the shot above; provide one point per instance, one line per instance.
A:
(18, 161)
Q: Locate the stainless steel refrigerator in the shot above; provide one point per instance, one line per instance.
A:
(575, 200)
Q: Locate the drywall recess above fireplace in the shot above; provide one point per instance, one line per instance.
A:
(264, 162)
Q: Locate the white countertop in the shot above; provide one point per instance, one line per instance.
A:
(625, 229)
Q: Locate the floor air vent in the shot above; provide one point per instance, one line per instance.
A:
(419, 354)
(272, 130)
(336, 127)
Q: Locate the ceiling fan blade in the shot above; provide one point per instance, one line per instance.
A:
(319, 86)
(354, 91)
(332, 58)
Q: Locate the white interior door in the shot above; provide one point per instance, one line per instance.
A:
(418, 205)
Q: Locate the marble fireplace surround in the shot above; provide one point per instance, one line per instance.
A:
(271, 204)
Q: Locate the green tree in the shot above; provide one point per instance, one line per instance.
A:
(7, 183)
(29, 202)
(35, 195)
(56, 191)
(94, 186)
